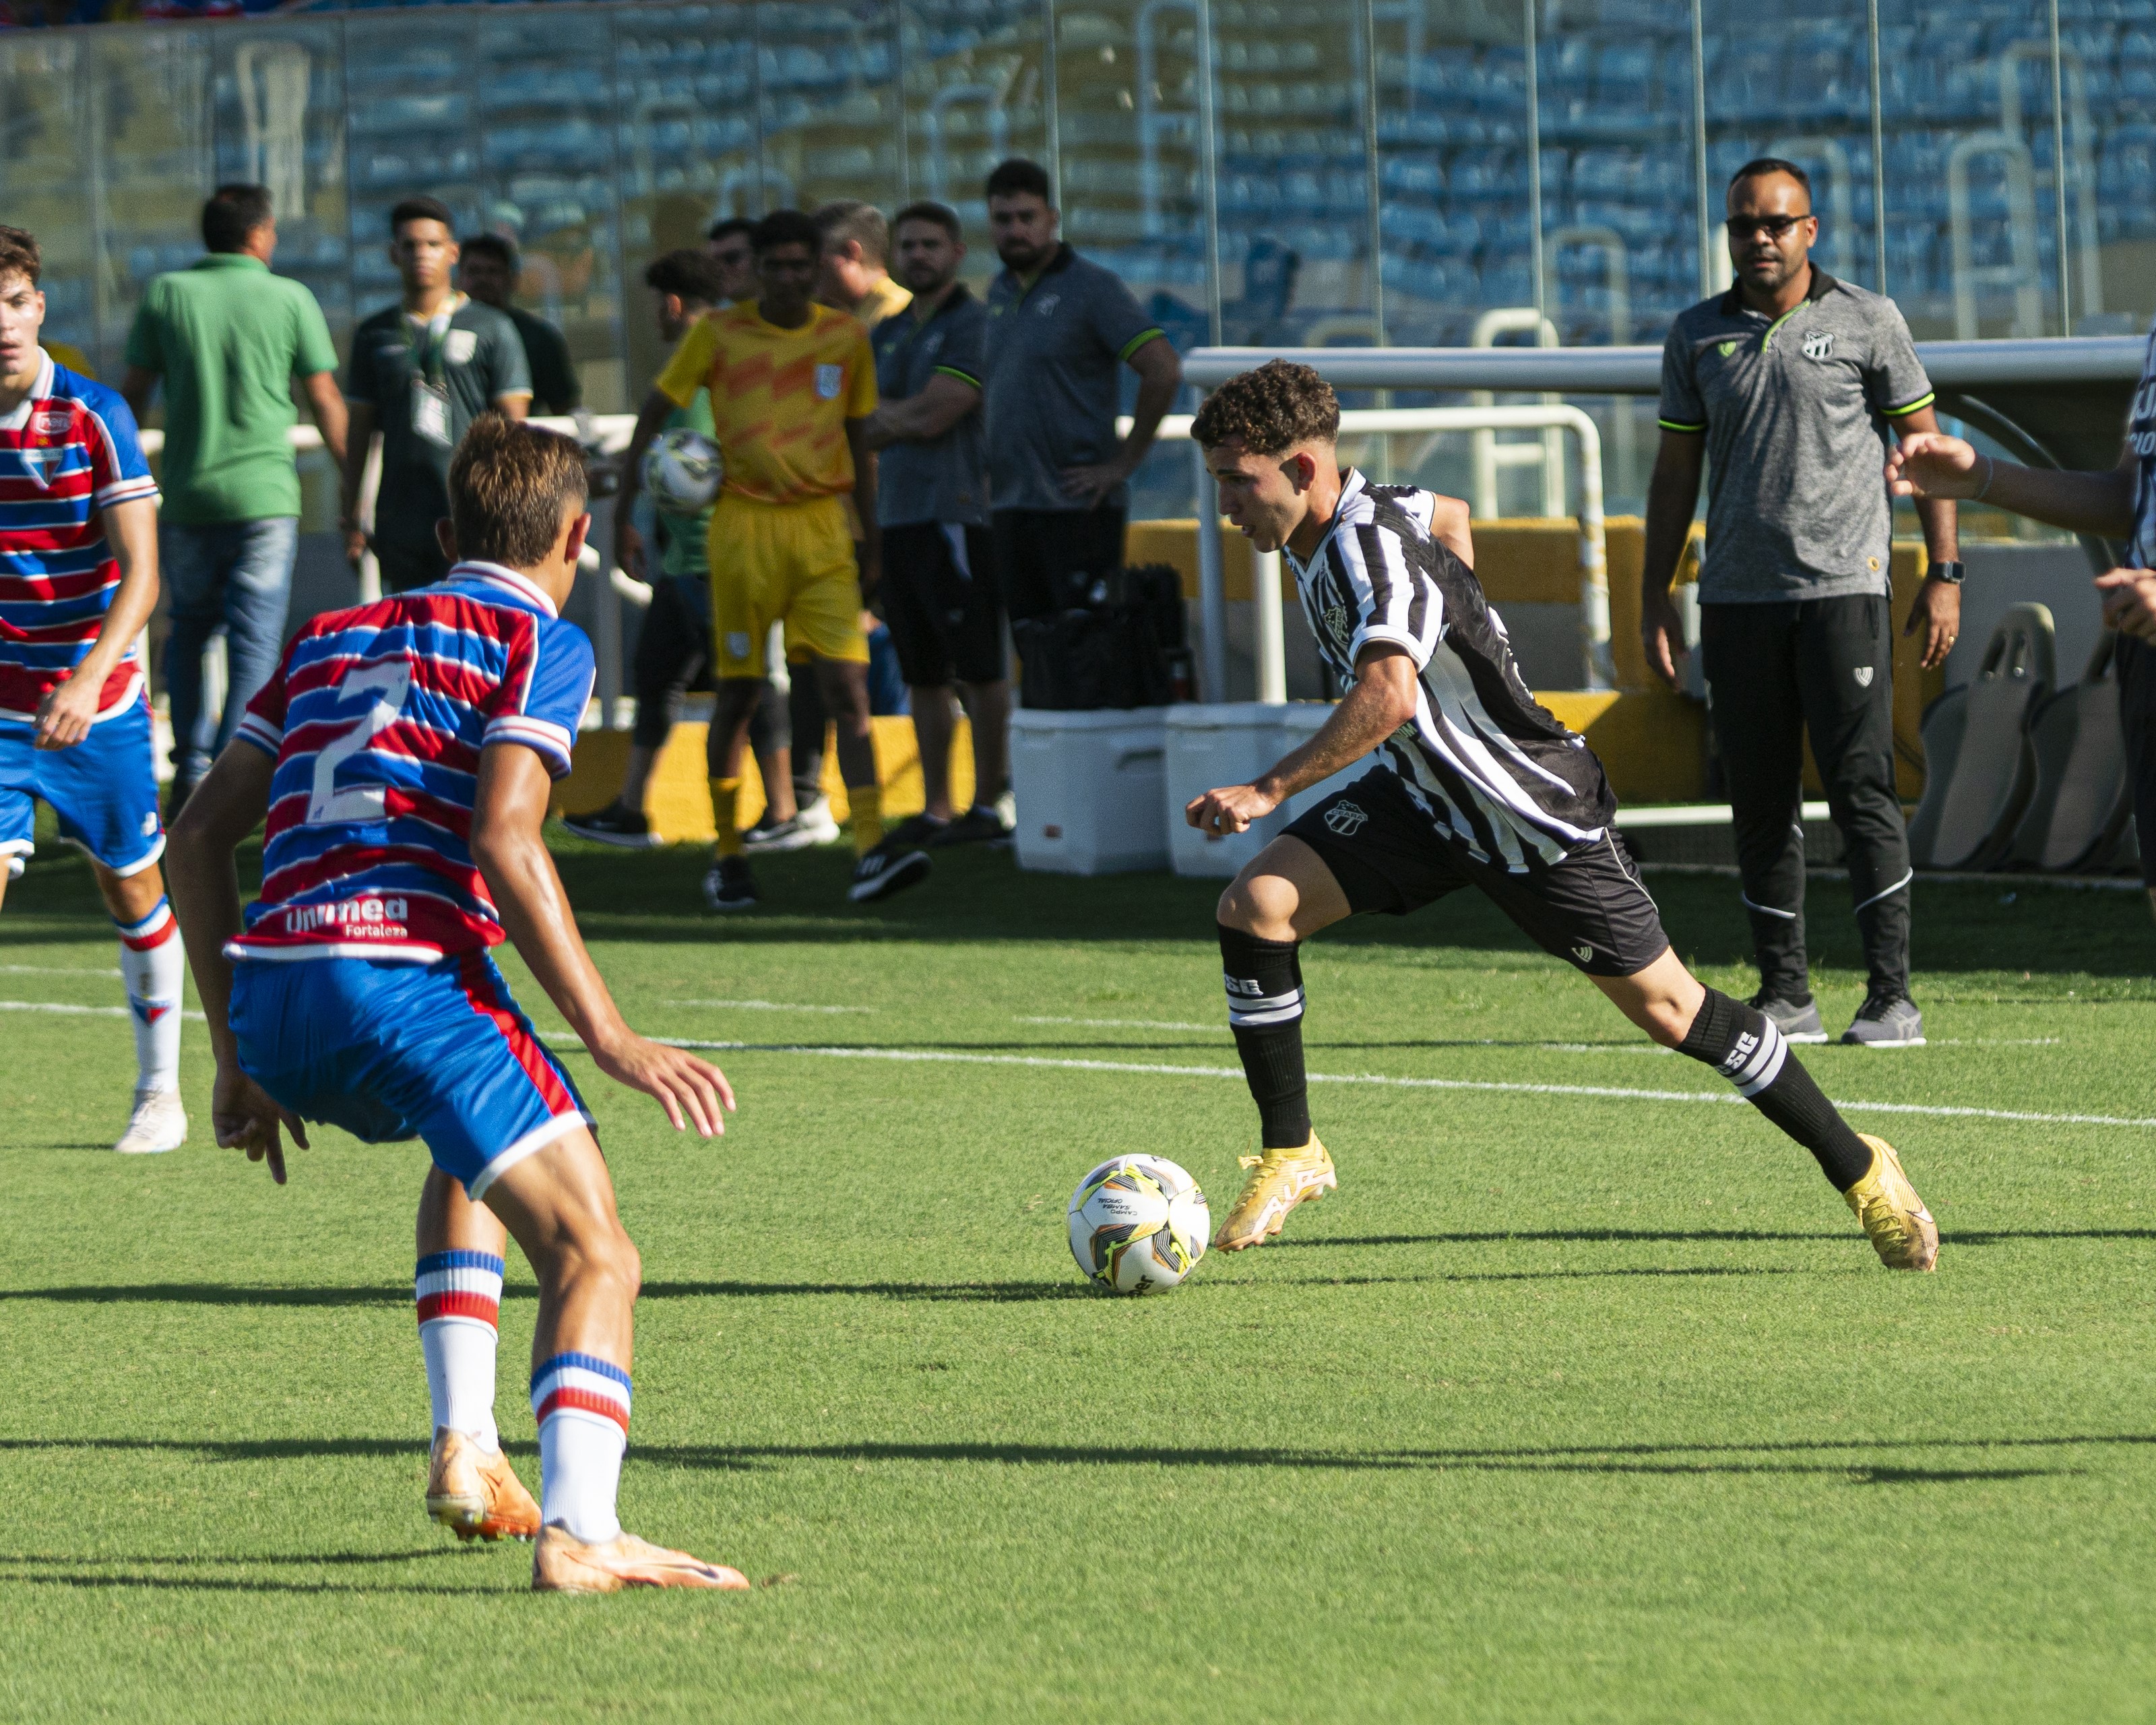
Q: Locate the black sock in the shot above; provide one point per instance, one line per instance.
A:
(1264, 1010)
(1742, 1045)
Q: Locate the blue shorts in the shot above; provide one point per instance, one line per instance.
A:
(104, 789)
(388, 1051)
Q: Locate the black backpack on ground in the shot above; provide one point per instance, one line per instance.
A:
(1118, 643)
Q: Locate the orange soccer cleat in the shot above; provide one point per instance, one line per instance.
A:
(562, 1564)
(474, 1492)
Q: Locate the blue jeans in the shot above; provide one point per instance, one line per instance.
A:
(234, 574)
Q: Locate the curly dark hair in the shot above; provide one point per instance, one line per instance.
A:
(1271, 409)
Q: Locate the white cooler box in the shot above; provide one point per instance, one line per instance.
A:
(1088, 789)
(1232, 743)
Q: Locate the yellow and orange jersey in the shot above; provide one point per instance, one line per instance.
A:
(780, 398)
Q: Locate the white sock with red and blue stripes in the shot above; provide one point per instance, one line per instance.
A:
(152, 962)
(459, 1294)
(582, 1404)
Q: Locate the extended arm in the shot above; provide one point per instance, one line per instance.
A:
(65, 715)
(226, 807)
(864, 503)
(1451, 526)
(1383, 700)
(507, 814)
(1672, 495)
(628, 543)
(920, 418)
(325, 404)
(1930, 463)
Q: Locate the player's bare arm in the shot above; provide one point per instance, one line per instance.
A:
(66, 714)
(919, 418)
(225, 807)
(864, 503)
(517, 406)
(1452, 526)
(359, 440)
(1381, 701)
(1935, 612)
(1672, 495)
(528, 896)
(1929, 464)
(628, 543)
(1160, 375)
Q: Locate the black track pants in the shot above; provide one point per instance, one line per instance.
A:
(1823, 667)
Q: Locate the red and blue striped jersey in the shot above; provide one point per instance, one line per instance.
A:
(375, 718)
(66, 453)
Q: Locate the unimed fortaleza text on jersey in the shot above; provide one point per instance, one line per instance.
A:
(1495, 773)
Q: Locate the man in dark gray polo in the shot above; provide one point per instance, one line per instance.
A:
(1787, 388)
(1061, 330)
(939, 581)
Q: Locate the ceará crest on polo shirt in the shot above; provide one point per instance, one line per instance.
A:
(1819, 344)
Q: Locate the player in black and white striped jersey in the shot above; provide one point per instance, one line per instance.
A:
(1477, 785)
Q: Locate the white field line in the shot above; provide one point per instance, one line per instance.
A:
(765, 1006)
(87, 1012)
(1612, 1092)
(52, 970)
(1124, 1024)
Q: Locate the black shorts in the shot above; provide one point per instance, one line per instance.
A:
(947, 620)
(1589, 910)
(2135, 668)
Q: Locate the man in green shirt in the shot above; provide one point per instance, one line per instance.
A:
(489, 274)
(226, 338)
(421, 371)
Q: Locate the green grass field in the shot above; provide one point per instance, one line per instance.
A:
(1565, 1407)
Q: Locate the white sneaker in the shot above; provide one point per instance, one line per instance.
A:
(816, 821)
(159, 1123)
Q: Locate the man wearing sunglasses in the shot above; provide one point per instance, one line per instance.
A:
(1789, 390)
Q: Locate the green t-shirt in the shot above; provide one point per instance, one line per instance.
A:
(687, 537)
(228, 337)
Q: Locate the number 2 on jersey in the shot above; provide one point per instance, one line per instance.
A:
(390, 683)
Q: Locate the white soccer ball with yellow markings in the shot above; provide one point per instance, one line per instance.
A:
(1138, 1224)
(683, 470)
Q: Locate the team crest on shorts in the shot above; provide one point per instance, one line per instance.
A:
(1819, 344)
(1585, 955)
(1346, 818)
(737, 644)
(150, 825)
(828, 378)
(1863, 675)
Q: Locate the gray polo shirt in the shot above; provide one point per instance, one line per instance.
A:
(2141, 438)
(1797, 413)
(939, 478)
(1055, 353)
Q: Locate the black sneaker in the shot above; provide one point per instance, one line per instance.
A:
(887, 870)
(1799, 1021)
(730, 886)
(913, 832)
(612, 825)
(1886, 1021)
(977, 825)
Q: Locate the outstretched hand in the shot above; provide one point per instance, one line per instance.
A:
(1930, 463)
(247, 1117)
(687, 1088)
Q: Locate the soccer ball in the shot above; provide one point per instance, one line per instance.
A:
(1138, 1224)
(683, 470)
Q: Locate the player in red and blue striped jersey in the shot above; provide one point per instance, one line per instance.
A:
(77, 581)
(402, 754)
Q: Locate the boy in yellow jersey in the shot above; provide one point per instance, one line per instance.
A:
(791, 382)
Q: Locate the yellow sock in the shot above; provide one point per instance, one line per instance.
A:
(726, 793)
(867, 803)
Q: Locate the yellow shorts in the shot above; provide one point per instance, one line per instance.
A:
(784, 562)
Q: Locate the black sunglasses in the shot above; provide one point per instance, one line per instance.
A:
(1773, 227)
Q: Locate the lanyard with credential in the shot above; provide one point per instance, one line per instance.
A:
(430, 391)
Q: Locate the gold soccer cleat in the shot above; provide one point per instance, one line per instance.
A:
(475, 1493)
(562, 1564)
(1279, 1181)
(1903, 1231)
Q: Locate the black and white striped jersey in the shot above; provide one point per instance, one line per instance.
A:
(1494, 772)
